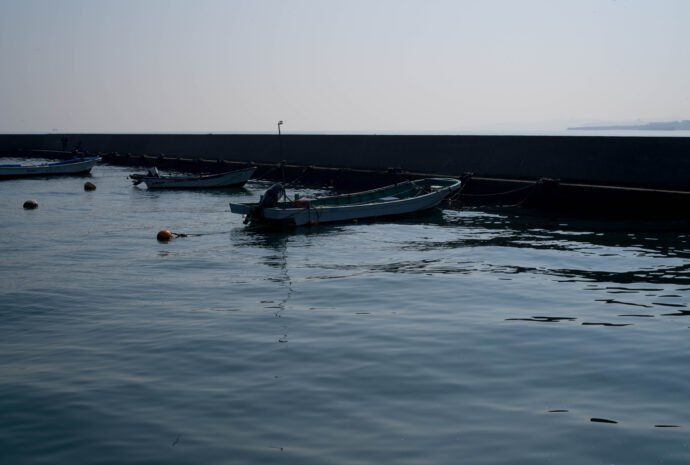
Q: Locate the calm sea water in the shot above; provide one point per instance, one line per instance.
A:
(461, 336)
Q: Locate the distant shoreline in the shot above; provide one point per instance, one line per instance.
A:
(667, 126)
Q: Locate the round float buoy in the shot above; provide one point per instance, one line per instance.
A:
(30, 204)
(164, 235)
(89, 186)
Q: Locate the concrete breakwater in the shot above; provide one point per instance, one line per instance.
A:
(627, 175)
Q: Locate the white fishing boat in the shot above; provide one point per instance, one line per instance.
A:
(398, 199)
(73, 166)
(154, 180)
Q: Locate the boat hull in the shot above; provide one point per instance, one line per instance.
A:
(230, 179)
(80, 166)
(315, 214)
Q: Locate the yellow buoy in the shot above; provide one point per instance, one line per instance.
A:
(30, 204)
(89, 186)
(164, 235)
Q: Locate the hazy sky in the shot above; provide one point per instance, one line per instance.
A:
(340, 66)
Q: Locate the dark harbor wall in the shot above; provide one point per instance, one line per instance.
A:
(658, 162)
(639, 177)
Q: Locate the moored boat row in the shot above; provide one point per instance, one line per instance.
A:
(274, 206)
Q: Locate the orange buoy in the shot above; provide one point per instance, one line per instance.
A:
(30, 204)
(164, 235)
(89, 186)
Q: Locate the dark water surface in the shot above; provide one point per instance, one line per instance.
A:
(461, 336)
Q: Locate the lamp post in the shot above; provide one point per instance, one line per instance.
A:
(280, 142)
(280, 139)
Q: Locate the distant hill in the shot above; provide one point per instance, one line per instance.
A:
(668, 126)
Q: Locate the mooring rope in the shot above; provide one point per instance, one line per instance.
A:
(298, 178)
(460, 194)
(496, 194)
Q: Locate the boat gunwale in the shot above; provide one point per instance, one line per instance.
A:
(315, 203)
(70, 162)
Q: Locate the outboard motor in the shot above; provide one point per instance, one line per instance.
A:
(268, 200)
(271, 196)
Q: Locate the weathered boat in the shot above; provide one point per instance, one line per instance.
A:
(398, 199)
(154, 180)
(73, 166)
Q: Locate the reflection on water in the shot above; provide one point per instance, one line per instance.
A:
(545, 319)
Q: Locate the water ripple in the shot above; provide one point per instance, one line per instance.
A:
(416, 341)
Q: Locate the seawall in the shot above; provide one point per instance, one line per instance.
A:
(627, 177)
(652, 162)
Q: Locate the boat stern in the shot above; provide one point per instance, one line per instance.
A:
(242, 208)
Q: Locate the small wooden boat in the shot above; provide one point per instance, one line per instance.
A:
(73, 166)
(398, 199)
(154, 180)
